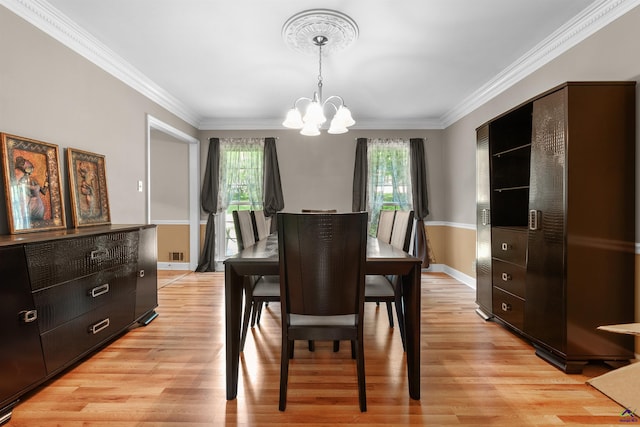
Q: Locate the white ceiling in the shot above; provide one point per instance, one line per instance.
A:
(224, 65)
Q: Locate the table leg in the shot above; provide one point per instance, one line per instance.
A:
(233, 309)
(412, 296)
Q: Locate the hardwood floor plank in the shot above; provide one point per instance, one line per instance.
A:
(172, 372)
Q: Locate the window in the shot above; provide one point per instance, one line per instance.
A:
(241, 183)
(389, 178)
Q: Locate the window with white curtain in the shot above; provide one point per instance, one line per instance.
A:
(241, 184)
(389, 178)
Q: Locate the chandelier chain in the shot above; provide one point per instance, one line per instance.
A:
(320, 71)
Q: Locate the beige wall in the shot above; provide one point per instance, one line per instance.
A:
(50, 93)
(454, 247)
(169, 185)
(173, 238)
(317, 172)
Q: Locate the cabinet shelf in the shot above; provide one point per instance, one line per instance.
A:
(521, 187)
(512, 150)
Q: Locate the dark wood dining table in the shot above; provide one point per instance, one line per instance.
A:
(262, 259)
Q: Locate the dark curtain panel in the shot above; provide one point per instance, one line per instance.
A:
(273, 198)
(209, 201)
(360, 177)
(420, 199)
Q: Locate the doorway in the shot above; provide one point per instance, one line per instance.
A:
(193, 182)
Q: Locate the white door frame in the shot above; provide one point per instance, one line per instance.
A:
(194, 182)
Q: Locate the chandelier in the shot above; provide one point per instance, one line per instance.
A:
(319, 29)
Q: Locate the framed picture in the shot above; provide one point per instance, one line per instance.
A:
(32, 188)
(88, 184)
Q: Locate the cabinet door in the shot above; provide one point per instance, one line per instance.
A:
(483, 223)
(21, 361)
(147, 284)
(545, 288)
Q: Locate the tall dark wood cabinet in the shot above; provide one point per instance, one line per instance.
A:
(64, 294)
(562, 213)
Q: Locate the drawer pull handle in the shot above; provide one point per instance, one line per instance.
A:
(505, 246)
(99, 253)
(506, 307)
(101, 325)
(99, 290)
(141, 274)
(506, 277)
(28, 316)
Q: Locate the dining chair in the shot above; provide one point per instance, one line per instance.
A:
(385, 225)
(322, 267)
(257, 289)
(379, 288)
(383, 232)
(402, 230)
(262, 224)
(243, 224)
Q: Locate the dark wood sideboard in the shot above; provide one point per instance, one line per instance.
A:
(64, 294)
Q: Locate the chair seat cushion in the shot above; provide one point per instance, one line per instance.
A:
(306, 320)
(378, 286)
(267, 286)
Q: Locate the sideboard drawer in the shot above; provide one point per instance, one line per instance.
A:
(58, 261)
(70, 341)
(509, 244)
(59, 304)
(509, 277)
(509, 308)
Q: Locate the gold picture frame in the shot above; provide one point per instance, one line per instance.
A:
(88, 188)
(32, 185)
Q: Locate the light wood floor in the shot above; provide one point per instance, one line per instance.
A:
(172, 372)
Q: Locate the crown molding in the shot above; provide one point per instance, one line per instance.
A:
(45, 17)
(592, 19)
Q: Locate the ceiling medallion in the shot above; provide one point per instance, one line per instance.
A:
(300, 31)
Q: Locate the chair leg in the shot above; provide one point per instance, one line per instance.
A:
(284, 371)
(401, 325)
(259, 316)
(362, 389)
(312, 345)
(245, 323)
(257, 308)
(336, 346)
(390, 314)
(354, 352)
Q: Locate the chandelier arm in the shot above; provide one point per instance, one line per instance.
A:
(331, 98)
(302, 98)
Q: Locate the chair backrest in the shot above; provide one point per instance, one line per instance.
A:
(402, 228)
(319, 210)
(262, 223)
(322, 263)
(385, 225)
(243, 224)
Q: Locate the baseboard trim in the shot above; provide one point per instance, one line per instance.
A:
(173, 266)
(458, 275)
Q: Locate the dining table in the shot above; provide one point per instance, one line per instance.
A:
(261, 259)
